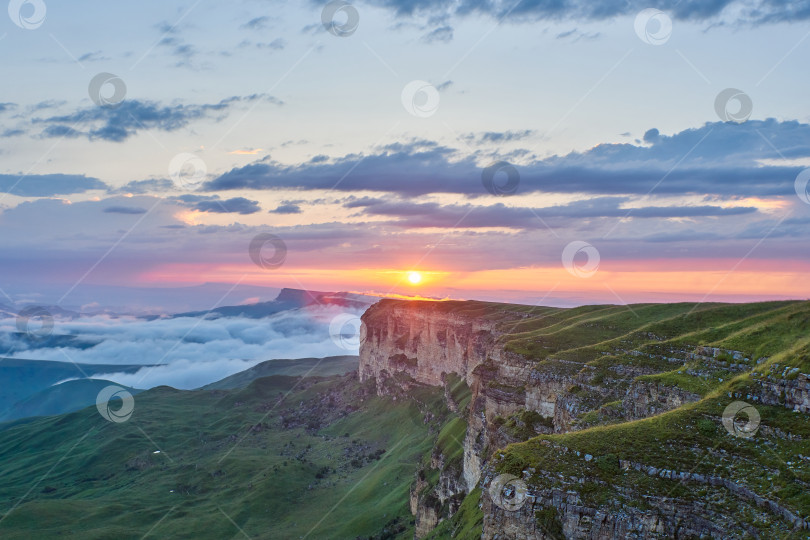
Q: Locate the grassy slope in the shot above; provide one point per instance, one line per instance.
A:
(78, 476)
(690, 438)
(301, 367)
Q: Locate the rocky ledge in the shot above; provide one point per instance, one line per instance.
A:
(533, 373)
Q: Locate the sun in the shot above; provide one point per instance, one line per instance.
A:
(415, 278)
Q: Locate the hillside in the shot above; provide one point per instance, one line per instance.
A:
(300, 367)
(623, 409)
(284, 457)
(464, 420)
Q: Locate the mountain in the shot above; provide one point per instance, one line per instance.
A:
(286, 300)
(649, 420)
(61, 398)
(22, 379)
(302, 367)
(464, 420)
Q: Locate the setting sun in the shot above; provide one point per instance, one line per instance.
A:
(414, 277)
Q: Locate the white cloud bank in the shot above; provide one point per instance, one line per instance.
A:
(192, 352)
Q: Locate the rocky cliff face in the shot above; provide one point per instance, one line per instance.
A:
(515, 397)
(424, 341)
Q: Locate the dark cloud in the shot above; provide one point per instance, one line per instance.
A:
(236, 205)
(286, 208)
(717, 158)
(7, 107)
(354, 202)
(131, 116)
(421, 215)
(214, 204)
(748, 12)
(124, 210)
(48, 185)
(139, 187)
(57, 131)
(651, 136)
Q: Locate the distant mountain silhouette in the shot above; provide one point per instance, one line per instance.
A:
(33, 376)
(62, 398)
(286, 300)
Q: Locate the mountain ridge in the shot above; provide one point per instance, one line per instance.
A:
(547, 375)
(287, 299)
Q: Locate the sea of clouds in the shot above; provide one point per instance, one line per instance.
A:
(191, 352)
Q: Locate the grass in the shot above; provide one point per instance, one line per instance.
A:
(605, 349)
(331, 460)
(688, 439)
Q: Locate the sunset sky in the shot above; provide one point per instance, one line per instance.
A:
(149, 143)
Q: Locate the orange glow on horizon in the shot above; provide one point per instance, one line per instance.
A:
(632, 278)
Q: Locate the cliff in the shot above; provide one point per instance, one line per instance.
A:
(535, 373)
(425, 340)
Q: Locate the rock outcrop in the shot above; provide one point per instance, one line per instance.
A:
(424, 341)
(516, 397)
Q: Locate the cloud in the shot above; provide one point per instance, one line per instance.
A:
(140, 187)
(286, 208)
(124, 210)
(277, 44)
(738, 11)
(575, 34)
(497, 136)
(443, 34)
(256, 23)
(177, 47)
(236, 205)
(48, 185)
(95, 56)
(12, 133)
(354, 202)
(421, 215)
(193, 352)
(718, 158)
(651, 136)
(131, 116)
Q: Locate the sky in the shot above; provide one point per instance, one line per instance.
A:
(540, 151)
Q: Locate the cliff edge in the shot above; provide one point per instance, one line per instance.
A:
(611, 420)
